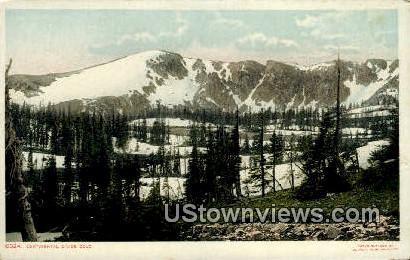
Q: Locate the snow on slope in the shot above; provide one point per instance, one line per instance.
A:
(111, 79)
(177, 122)
(175, 184)
(365, 152)
(129, 74)
(40, 160)
(359, 93)
(282, 173)
(116, 78)
(175, 91)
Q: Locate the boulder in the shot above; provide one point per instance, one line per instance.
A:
(332, 232)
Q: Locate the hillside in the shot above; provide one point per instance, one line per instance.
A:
(135, 82)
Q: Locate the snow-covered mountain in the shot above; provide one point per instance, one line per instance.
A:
(137, 81)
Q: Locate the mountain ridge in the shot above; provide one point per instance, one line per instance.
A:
(137, 81)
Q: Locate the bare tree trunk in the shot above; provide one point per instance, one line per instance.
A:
(274, 176)
(262, 159)
(15, 175)
(337, 130)
(339, 165)
(292, 176)
(237, 176)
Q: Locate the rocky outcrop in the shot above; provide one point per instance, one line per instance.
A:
(386, 229)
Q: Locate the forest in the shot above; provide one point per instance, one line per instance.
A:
(92, 187)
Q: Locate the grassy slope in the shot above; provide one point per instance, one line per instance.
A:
(386, 200)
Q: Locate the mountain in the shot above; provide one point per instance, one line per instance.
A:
(144, 79)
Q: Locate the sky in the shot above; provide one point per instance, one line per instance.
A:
(45, 41)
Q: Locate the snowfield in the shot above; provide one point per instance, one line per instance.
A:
(178, 122)
(40, 160)
(365, 152)
(136, 147)
(119, 77)
(359, 93)
(282, 174)
(370, 111)
(175, 184)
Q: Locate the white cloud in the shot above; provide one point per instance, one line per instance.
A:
(231, 23)
(308, 21)
(137, 37)
(288, 43)
(225, 53)
(258, 38)
(333, 36)
(322, 26)
(321, 33)
(346, 48)
(182, 27)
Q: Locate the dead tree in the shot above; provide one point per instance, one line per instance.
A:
(14, 173)
(338, 163)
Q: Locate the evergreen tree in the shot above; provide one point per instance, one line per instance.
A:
(210, 167)
(235, 158)
(177, 164)
(257, 174)
(50, 184)
(276, 149)
(246, 147)
(262, 159)
(122, 131)
(193, 185)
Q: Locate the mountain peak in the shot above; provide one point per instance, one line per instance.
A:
(142, 79)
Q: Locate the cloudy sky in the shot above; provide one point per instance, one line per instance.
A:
(43, 41)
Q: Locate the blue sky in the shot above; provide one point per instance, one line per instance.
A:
(42, 41)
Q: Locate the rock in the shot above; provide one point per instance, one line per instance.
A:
(350, 234)
(239, 232)
(276, 236)
(393, 231)
(345, 228)
(230, 229)
(197, 229)
(319, 235)
(279, 228)
(371, 225)
(340, 237)
(332, 232)
(381, 231)
(256, 235)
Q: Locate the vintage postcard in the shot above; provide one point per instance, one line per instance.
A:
(205, 130)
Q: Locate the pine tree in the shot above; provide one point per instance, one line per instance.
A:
(177, 164)
(235, 165)
(50, 184)
(193, 185)
(246, 147)
(277, 148)
(122, 132)
(144, 130)
(210, 167)
(68, 145)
